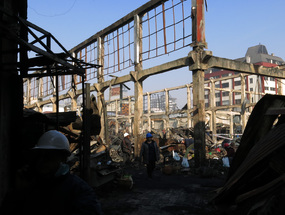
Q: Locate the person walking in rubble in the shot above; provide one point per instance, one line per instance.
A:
(230, 152)
(127, 148)
(47, 187)
(149, 154)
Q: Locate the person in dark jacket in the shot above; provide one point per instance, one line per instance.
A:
(149, 154)
(230, 152)
(46, 187)
(127, 147)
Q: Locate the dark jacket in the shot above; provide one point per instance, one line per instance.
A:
(230, 152)
(127, 145)
(66, 195)
(144, 154)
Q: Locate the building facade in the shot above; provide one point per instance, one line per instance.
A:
(257, 55)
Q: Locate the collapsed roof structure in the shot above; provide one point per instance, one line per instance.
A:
(255, 182)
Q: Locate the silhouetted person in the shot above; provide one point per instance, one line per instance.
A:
(149, 154)
(46, 186)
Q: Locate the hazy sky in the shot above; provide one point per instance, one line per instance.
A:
(231, 26)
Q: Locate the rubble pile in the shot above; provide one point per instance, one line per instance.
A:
(255, 182)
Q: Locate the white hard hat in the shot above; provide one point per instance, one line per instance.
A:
(53, 140)
(126, 134)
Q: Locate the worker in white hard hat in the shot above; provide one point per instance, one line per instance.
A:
(127, 148)
(49, 186)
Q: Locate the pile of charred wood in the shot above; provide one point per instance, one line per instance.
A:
(255, 182)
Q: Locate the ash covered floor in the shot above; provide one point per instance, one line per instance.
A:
(177, 193)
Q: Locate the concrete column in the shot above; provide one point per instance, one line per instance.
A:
(53, 101)
(40, 107)
(117, 122)
(279, 86)
(231, 124)
(189, 121)
(73, 98)
(148, 112)
(103, 114)
(138, 85)
(138, 114)
(100, 94)
(130, 130)
(40, 87)
(199, 117)
(198, 43)
(28, 91)
(166, 125)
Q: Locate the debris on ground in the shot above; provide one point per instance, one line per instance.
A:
(255, 181)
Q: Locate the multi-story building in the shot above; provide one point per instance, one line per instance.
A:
(257, 55)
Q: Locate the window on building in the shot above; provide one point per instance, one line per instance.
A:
(218, 104)
(226, 93)
(237, 83)
(225, 85)
(251, 80)
(217, 85)
(237, 93)
(217, 95)
(266, 88)
(225, 75)
(251, 89)
(226, 102)
(206, 96)
(265, 78)
(272, 88)
(272, 79)
(238, 101)
(206, 105)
